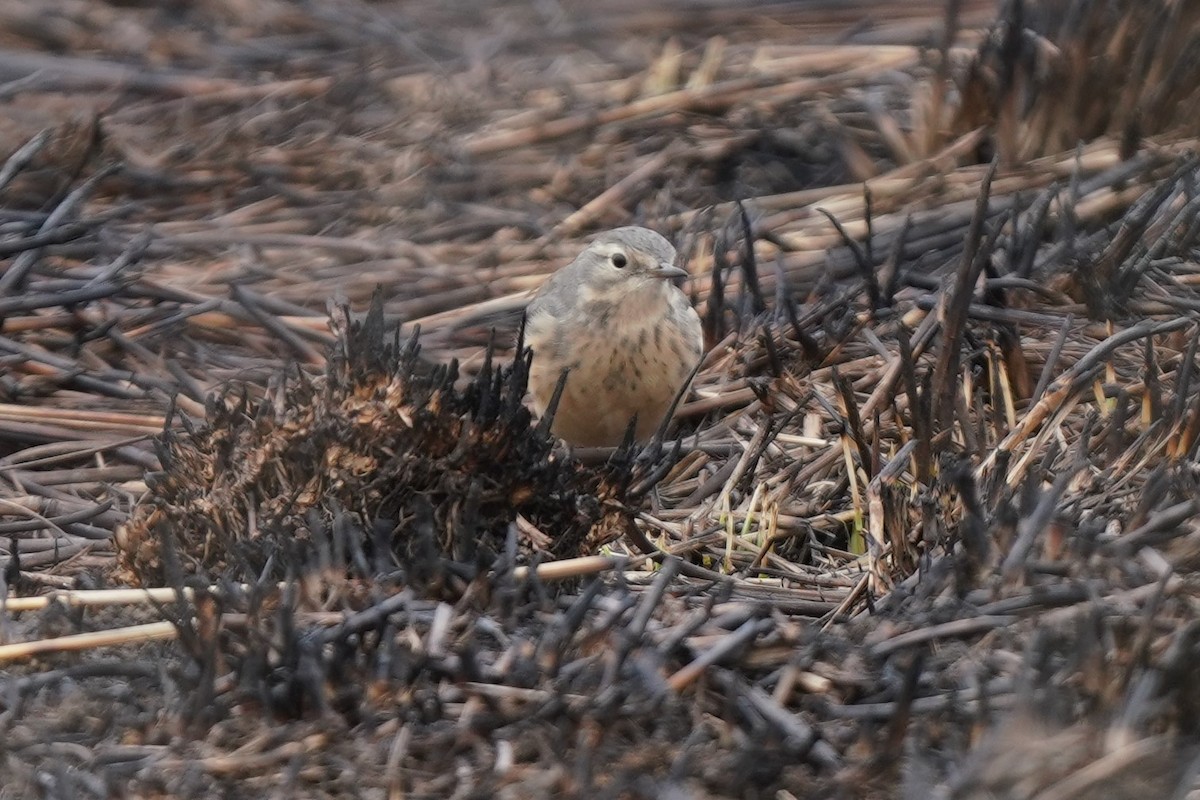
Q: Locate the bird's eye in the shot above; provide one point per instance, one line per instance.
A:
(618, 260)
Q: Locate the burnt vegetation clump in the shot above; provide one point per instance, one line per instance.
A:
(383, 463)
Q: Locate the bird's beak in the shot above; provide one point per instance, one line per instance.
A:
(668, 271)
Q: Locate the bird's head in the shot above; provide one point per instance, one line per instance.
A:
(629, 257)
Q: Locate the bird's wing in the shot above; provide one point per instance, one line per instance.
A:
(556, 295)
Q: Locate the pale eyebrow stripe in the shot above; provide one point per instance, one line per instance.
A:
(608, 248)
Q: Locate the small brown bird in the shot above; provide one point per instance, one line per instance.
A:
(627, 336)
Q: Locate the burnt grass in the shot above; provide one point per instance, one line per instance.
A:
(926, 525)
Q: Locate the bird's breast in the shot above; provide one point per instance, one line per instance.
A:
(625, 359)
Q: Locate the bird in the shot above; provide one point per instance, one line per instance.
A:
(626, 335)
